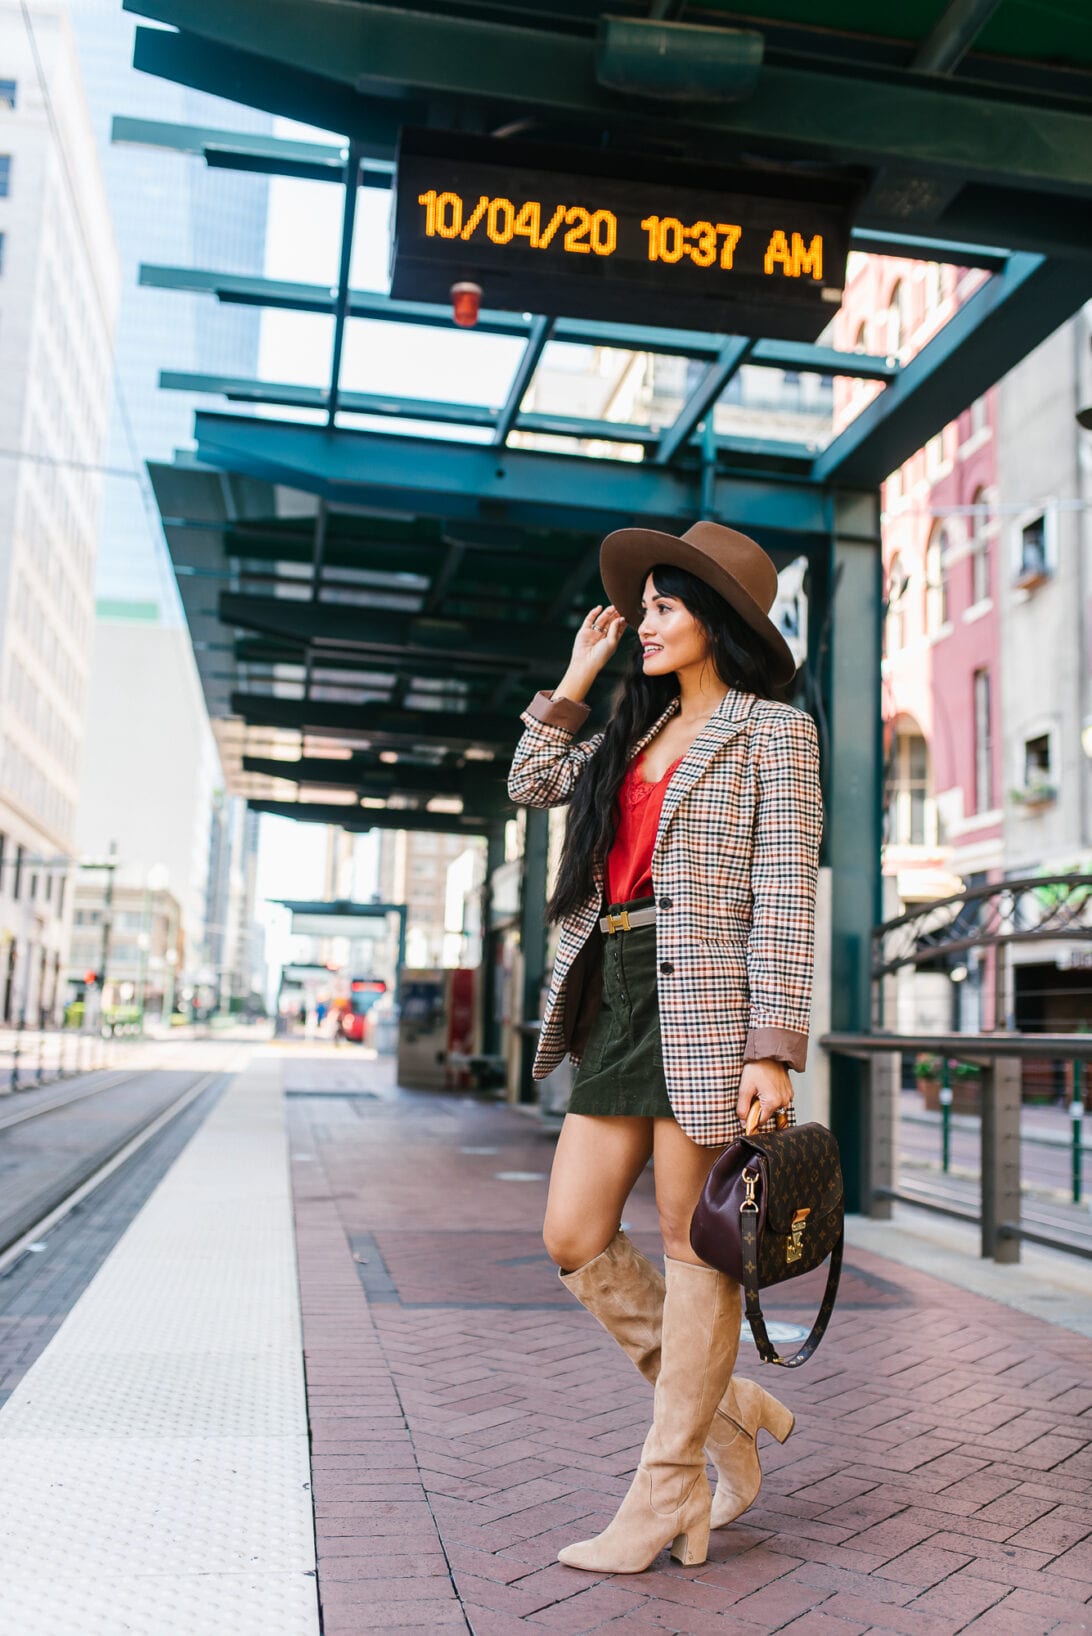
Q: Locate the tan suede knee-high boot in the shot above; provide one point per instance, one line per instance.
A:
(625, 1292)
(669, 1502)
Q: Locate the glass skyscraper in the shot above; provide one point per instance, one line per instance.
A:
(167, 208)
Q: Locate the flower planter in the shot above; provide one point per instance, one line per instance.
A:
(965, 1095)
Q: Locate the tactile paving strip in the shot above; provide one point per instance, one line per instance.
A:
(156, 1455)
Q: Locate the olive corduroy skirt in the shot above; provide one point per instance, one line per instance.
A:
(621, 1071)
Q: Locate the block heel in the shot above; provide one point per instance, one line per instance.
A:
(775, 1418)
(692, 1547)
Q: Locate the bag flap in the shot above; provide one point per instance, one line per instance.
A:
(803, 1171)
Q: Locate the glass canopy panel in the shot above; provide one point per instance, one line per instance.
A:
(401, 361)
(775, 406)
(296, 349)
(593, 383)
(303, 235)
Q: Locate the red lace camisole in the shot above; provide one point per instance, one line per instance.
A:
(629, 861)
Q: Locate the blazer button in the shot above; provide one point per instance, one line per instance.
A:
(666, 967)
(665, 903)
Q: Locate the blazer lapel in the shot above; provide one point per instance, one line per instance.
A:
(727, 720)
(654, 729)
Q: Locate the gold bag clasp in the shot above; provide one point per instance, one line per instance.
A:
(796, 1245)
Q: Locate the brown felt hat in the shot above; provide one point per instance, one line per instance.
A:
(725, 559)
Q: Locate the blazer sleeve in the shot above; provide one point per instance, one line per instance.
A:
(784, 870)
(547, 763)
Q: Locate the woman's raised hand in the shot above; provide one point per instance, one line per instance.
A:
(598, 638)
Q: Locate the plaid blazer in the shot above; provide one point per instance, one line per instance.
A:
(734, 872)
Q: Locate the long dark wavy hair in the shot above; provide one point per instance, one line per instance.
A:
(741, 659)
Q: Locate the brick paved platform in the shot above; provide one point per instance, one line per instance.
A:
(467, 1418)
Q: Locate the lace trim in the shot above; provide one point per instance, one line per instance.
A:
(636, 789)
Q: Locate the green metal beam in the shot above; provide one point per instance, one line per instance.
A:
(236, 390)
(478, 783)
(853, 790)
(919, 247)
(379, 724)
(251, 151)
(1001, 323)
(541, 329)
(952, 35)
(254, 80)
(447, 479)
(361, 819)
(335, 625)
(733, 355)
(836, 116)
(249, 290)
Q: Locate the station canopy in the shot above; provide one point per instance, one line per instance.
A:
(381, 558)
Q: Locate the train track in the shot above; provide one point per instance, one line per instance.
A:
(52, 1203)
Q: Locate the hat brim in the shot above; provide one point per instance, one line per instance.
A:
(628, 555)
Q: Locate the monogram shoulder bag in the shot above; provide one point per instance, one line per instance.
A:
(772, 1209)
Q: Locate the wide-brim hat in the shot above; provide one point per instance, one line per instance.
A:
(725, 559)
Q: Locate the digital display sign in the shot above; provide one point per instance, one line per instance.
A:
(753, 253)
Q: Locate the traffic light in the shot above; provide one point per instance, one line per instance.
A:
(91, 978)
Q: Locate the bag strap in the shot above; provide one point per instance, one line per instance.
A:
(766, 1349)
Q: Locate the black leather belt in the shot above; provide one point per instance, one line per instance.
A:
(627, 920)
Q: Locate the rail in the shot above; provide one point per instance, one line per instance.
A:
(999, 1056)
(38, 1056)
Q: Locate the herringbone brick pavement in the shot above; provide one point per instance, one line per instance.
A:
(468, 1419)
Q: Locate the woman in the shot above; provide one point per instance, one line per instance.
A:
(682, 984)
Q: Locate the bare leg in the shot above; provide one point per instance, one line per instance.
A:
(681, 1167)
(597, 1163)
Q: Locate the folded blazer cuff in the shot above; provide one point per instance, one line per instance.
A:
(783, 1043)
(563, 713)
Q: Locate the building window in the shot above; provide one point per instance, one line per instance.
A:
(7, 94)
(1033, 559)
(895, 628)
(979, 418)
(5, 175)
(1, 252)
(33, 889)
(983, 743)
(908, 791)
(980, 549)
(1037, 762)
(860, 340)
(3, 848)
(933, 288)
(936, 581)
(17, 873)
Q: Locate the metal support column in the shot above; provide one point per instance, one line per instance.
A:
(853, 791)
(883, 1160)
(532, 939)
(1000, 1161)
(494, 857)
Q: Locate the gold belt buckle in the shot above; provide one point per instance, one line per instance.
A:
(623, 923)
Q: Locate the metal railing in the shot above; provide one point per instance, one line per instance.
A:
(39, 1056)
(1004, 1222)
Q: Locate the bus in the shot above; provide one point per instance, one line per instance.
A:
(363, 993)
